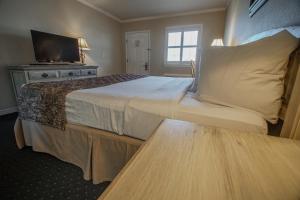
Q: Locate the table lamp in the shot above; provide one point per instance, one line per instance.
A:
(83, 46)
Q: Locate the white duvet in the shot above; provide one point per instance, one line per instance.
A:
(136, 108)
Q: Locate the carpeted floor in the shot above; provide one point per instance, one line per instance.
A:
(25, 174)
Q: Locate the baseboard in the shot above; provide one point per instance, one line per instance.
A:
(8, 110)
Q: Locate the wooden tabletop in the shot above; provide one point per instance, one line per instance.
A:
(185, 161)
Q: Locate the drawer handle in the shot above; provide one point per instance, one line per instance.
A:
(71, 74)
(89, 72)
(45, 75)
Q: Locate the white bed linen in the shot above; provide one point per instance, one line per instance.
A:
(193, 110)
(135, 108)
(112, 107)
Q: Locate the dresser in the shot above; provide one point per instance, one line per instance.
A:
(186, 161)
(23, 74)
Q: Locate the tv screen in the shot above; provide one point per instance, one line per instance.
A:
(54, 48)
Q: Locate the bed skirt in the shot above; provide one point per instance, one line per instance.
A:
(101, 155)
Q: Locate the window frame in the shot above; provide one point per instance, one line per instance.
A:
(182, 29)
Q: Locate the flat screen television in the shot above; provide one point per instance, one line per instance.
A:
(51, 48)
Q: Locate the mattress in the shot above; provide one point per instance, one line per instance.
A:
(136, 108)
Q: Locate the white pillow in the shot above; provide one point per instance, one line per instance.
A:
(248, 76)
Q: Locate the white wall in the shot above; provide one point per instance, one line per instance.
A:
(274, 14)
(64, 17)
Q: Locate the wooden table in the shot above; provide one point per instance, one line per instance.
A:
(184, 161)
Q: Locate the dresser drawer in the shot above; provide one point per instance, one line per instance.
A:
(40, 75)
(88, 72)
(69, 73)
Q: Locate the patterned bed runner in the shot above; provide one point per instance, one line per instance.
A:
(45, 102)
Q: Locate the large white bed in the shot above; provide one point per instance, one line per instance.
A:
(135, 108)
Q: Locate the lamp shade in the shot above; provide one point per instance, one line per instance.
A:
(217, 42)
(83, 44)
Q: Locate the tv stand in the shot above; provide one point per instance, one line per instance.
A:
(58, 63)
(37, 72)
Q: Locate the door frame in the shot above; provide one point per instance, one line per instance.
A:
(149, 52)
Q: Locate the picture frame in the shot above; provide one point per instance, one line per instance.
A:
(255, 5)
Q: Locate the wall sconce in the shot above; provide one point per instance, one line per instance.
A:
(217, 42)
(83, 46)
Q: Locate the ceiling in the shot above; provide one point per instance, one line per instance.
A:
(131, 9)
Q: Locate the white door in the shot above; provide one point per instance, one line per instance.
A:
(138, 52)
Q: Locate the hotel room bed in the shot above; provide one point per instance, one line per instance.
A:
(106, 125)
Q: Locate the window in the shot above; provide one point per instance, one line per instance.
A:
(182, 44)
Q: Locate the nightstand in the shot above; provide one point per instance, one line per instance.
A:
(186, 161)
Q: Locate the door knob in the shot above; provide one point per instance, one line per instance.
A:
(146, 66)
